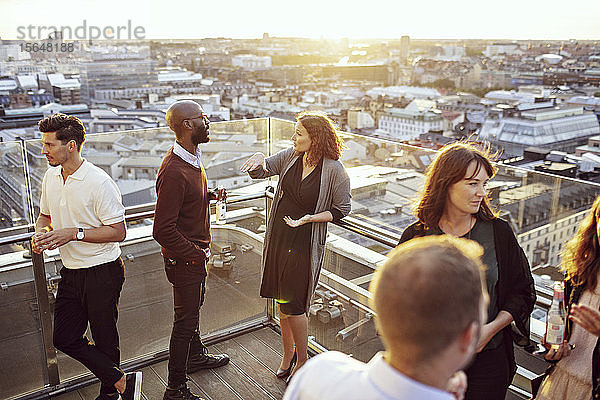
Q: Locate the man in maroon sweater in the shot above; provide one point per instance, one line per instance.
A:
(182, 228)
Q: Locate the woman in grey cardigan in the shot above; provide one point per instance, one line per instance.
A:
(313, 189)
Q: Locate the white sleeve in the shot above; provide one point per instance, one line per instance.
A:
(109, 203)
(293, 390)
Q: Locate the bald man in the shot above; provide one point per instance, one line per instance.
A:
(182, 228)
(430, 301)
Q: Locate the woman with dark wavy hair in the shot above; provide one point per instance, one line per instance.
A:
(454, 202)
(576, 374)
(313, 189)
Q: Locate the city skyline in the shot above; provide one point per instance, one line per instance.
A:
(353, 19)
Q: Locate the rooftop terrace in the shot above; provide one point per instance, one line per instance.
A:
(234, 318)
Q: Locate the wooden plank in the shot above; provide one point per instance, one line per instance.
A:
(161, 370)
(270, 338)
(74, 395)
(249, 378)
(265, 354)
(153, 387)
(213, 385)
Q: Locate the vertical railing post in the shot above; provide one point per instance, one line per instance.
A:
(30, 212)
(41, 291)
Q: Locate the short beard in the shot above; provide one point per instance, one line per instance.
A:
(201, 136)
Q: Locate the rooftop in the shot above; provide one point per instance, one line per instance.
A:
(234, 318)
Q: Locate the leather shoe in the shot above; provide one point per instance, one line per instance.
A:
(206, 361)
(284, 373)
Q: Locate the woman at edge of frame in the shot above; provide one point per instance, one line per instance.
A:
(575, 372)
(454, 202)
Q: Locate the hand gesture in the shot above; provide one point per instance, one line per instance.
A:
(555, 354)
(217, 194)
(588, 318)
(257, 160)
(53, 239)
(35, 245)
(457, 385)
(294, 223)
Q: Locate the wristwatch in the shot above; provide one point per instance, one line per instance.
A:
(80, 234)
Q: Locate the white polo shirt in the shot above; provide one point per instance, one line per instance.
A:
(333, 375)
(87, 199)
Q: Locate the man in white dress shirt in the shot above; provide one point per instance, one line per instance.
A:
(430, 300)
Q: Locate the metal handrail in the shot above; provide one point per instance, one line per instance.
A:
(23, 237)
(135, 213)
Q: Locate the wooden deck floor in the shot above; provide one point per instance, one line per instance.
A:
(250, 375)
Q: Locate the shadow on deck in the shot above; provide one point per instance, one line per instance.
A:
(250, 375)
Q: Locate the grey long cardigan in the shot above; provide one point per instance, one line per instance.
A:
(334, 192)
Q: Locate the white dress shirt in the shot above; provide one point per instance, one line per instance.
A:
(187, 156)
(333, 375)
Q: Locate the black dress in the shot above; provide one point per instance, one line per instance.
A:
(287, 267)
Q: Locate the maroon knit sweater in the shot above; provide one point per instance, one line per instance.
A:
(182, 217)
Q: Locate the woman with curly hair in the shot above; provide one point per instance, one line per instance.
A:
(576, 372)
(454, 202)
(313, 189)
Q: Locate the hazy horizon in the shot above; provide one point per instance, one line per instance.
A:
(313, 19)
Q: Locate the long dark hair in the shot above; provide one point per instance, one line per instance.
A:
(449, 167)
(324, 136)
(581, 256)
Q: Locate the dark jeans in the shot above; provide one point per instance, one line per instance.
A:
(188, 282)
(489, 375)
(91, 295)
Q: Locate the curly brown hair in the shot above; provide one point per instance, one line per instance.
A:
(449, 167)
(581, 256)
(67, 128)
(324, 136)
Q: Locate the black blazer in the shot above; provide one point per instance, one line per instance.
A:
(515, 287)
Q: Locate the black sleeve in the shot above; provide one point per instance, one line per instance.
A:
(412, 231)
(337, 214)
(518, 290)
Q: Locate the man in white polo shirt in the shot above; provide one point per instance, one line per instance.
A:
(430, 299)
(82, 215)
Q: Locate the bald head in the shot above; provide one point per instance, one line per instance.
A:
(179, 111)
(427, 293)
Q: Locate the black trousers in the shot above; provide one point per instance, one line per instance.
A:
(91, 295)
(489, 375)
(188, 282)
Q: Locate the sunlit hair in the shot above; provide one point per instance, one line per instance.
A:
(581, 256)
(67, 128)
(427, 293)
(450, 166)
(324, 136)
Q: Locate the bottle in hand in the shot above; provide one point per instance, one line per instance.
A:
(556, 320)
(221, 206)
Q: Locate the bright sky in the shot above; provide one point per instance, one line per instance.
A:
(420, 19)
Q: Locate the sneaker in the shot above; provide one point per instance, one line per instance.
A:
(133, 386)
(202, 359)
(183, 393)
